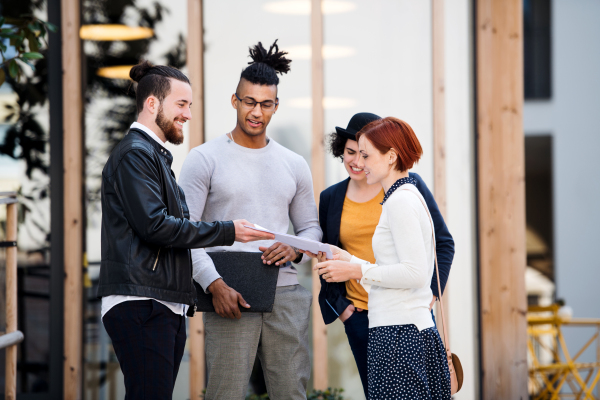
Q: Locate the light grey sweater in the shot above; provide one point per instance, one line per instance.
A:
(269, 187)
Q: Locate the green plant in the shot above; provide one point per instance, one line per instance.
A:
(258, 397)
(329, 394)
(25, 36)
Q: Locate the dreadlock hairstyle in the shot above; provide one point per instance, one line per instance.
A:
(265, 65)
(153, 80)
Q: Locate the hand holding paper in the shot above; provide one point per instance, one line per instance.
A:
(244, 235)
(298, 242)
(338, 254)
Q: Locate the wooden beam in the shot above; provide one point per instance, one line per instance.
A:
(320, 378)
(439, 124)
(10, 376)
(195, 65)
(500, 144)
(73, 190)
(439, 105)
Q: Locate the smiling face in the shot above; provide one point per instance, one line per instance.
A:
(351, 159)
(174, 111)
(254, 121)
(376, 166)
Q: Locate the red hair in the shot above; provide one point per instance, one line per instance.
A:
(393, 133)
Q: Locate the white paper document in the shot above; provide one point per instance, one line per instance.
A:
(298, 242)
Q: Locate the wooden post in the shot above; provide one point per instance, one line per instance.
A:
(318, 175)
(195, 64)
(439, 106)
(500, 144)
(439, 121)
(10, 382)
(73, 210)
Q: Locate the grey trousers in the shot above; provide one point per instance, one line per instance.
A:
(279, 338)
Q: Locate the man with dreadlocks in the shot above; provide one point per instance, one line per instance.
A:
(244, 172)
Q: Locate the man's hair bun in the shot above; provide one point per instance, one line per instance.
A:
(265, 65)
(137, 72)
(273, 58)
(154, 80)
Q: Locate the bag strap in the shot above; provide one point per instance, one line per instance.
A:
(437, 273)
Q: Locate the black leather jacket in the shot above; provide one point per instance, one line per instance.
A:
(146, 231)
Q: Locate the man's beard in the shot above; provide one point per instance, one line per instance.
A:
(172, 133)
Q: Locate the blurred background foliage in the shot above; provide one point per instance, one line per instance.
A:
(24, 69)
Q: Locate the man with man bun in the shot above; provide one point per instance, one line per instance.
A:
(146, 271)
(244, 172)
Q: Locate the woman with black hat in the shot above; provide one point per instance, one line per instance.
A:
(349, 211)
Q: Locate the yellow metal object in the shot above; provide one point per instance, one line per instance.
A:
(110, 32)
(87, 282)
(553, 373)
(116, 72)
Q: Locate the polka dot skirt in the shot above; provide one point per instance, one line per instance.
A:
(404, 363)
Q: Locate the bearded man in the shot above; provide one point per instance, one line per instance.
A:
(146, 271)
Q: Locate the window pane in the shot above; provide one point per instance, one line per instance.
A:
(537, 49)
(24, 163)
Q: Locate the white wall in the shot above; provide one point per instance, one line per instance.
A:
(571, 117)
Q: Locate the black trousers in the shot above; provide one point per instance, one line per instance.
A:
(357, 330)
(148, 339)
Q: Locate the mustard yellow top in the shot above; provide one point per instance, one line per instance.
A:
(357, 227)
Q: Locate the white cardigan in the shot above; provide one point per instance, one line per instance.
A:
(399, 282)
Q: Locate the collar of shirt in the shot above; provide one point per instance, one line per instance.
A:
(397, 184)
(144, 128)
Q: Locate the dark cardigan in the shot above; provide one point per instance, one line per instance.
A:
(332, 297)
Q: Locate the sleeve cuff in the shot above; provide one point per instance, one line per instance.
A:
(370, 275)
(228, 233)
(356, 260)
(206, 278)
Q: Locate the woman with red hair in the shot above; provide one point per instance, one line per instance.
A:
(406, 356)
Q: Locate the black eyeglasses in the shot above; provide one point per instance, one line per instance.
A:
(267, 105)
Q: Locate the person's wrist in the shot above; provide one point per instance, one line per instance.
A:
(298, 256)
(357, 272)
(216, 286)
(345, 256)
